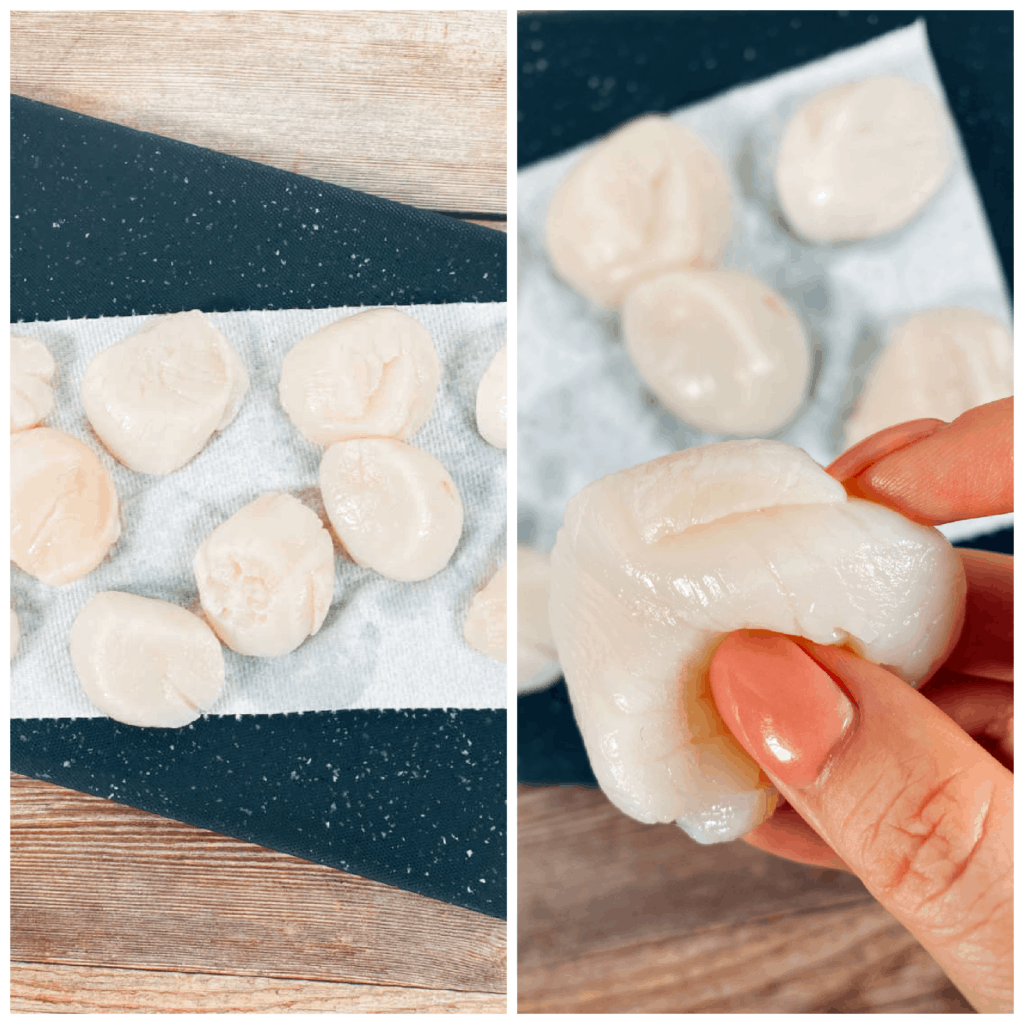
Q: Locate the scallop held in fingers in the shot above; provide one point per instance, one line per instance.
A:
(655, 565)
(722, 351)
(395, 508)
(492, 401)
(146, 662)
(266, 576)
(64, 507)
(374, 374)
(32, 370)
(156, 398)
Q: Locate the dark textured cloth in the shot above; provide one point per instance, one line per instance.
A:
(109, 221)
(582, 74)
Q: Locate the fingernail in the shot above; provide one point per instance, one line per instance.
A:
(875, 448)
(785, 709)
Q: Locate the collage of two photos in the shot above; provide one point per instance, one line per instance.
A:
(290, 344)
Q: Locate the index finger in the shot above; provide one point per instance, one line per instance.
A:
(943, 473)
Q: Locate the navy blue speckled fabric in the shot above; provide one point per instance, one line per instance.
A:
(583, 73)
(108, 221)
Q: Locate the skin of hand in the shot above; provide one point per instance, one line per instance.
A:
(910, 790)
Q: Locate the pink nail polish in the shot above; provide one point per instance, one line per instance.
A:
(785, 709)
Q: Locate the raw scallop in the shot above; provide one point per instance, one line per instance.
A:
(64, 508)
(266, 576)
(537, 661)
(648, 198)
(720, 349)
(32, 369)
(656, 564)
(395, 508)
(492, 401)
(157, 397)
(146, 662)
(374, 374)
(939, 364)
(861, 159)
(486, 625)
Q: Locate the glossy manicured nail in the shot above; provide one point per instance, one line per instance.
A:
(784, 708)
(875, 448)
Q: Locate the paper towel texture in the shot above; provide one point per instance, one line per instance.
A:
(383, 644)
(584, 412)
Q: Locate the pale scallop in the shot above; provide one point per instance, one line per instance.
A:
(485, 628)
(720, 349)
(32, 370)
(862, 159)
(395, 508)
(374, 374)
(15, 633)
(938, 364)
(536, 658)
(64, 508)
(146, 662)
(648, 198)
(656, 564)
(492, 401)
(156, 398)
(266, 576)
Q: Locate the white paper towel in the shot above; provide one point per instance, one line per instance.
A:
(583, 410)
(384, 644)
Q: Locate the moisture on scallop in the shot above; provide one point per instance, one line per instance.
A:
(374, 374)
(720, 349)
(64, 507)
(146, 662)
(394, 507)
(656, 564)
(648, 198)
(266, 576)
(156, 398)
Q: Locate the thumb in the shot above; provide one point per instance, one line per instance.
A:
(919, 811)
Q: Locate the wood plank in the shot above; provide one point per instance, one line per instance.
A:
(39, 988)
(94, 883)
(406, 105)
(620, 917)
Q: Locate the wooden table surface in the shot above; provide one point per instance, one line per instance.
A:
(117, 910)
(620, 917)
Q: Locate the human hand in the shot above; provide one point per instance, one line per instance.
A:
(910, 790)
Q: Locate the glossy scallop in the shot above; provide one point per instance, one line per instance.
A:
(146, 662)
(374, 374)
(861, 159)
(938, 364)
(648, 198)
(266, 576)
(64, 507)
(395, 508)
(492, 401)
(485, 628)
(32, 370)
(156, 398)
(720, 349)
